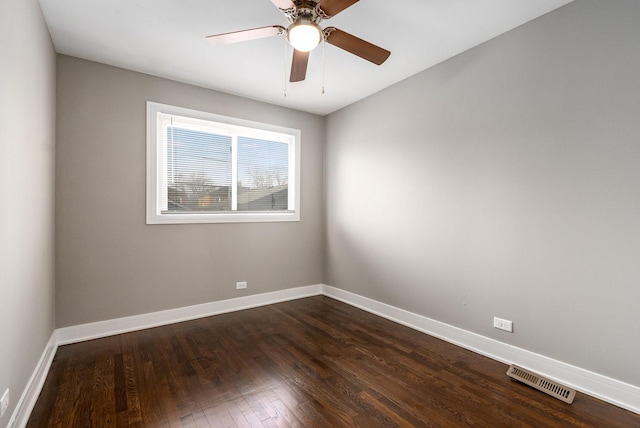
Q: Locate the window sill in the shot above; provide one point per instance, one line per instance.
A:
(222, 218)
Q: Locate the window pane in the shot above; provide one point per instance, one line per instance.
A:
(207, 168)
(198, 170)
(263, 175)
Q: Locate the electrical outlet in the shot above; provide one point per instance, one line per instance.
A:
(241, 285)
(4, 403)
(505, 325)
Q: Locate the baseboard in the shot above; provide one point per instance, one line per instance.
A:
(99, 329)
(610, 390)
(604, 388)
(29, 396)
(79, 333)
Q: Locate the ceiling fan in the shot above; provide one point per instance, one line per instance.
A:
(304, 33)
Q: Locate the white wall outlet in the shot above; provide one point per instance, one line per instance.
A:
(241, 285)
(4, 403)
(505, 325)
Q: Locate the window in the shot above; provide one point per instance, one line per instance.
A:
(206, 168)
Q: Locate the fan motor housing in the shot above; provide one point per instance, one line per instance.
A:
(306, 10)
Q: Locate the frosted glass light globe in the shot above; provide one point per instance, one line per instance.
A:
(304, 35)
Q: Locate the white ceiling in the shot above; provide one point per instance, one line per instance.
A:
(166, 38)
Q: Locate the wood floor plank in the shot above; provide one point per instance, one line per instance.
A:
(312, 362)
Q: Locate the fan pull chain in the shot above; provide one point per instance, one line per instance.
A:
(323, 43)
(285, 67)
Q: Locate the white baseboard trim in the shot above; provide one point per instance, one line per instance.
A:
(604, 388)
(94, 330)
(610, 390)
(30, 395)
(79, 333)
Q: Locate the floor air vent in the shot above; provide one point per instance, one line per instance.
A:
(541, 383)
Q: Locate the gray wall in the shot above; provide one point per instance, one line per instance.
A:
(27, 131)
(109, 263)
(504, 182)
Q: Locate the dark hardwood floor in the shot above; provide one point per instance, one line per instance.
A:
(312, 362)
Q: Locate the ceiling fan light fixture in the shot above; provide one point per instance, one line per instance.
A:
(304, 35)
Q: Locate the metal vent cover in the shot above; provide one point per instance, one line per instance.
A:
(541, 383)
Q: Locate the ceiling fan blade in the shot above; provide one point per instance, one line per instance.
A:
(334, 7)
(299, 66)
(283, 4)
(242, 36)
(357, 46)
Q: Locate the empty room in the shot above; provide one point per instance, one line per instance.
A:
(281, 213)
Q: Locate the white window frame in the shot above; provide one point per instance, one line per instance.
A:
(157, 168)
